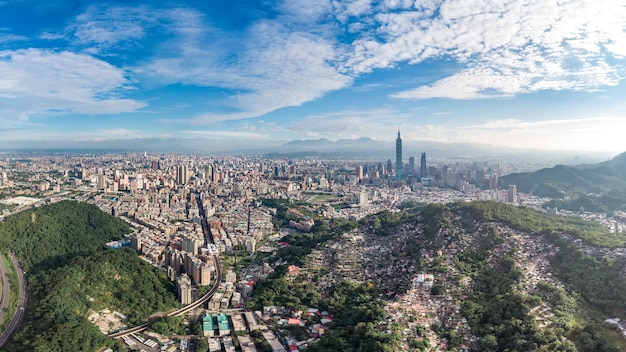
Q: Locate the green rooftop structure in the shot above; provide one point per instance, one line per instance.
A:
(208, 325)
(223, 324)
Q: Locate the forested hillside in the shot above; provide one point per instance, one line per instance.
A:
(47, 236)
(594, 285)
(71, 273)
(62, 299)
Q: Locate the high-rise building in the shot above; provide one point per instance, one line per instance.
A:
(191, 244)
(511, 194)
(358, 172)
(399, 157)
(423, 168)
(493, 181)
(412, 165)
(184, 289)
(182, 175)
(102, 182)
(136, 242)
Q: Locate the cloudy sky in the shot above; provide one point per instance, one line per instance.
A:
(519, 73)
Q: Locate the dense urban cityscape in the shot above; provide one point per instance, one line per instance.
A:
(319, 176)
(211, 225)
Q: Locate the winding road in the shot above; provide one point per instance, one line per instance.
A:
(18, 318)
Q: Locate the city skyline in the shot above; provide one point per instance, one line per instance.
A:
(216, 76)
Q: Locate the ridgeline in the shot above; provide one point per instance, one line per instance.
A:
(598, 187)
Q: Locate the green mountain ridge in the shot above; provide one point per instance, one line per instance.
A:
(596, 187)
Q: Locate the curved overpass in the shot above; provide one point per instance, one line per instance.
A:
(182, 310)
(202, 300)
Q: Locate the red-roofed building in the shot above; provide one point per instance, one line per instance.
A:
(293, 321)
(293, 271)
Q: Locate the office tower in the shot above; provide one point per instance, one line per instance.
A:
(181, 175)
(399, 157)
(412, 164)
(389, 166)
(493, 181)
(511, 194)
(358, 172)
(155, 165)
(423, 167)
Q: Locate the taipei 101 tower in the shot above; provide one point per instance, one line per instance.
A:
(399, 157)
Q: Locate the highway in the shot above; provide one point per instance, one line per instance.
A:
(202, 300)
(18, 318)
(6, 292)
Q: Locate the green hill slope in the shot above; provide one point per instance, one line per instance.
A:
(49, 235)
(71, 273)
(601, 187)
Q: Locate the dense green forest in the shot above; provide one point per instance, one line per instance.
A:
(595, 285)
(497, 313)
(71, 272)
(357, 311)
(48, 236)
(535, 222)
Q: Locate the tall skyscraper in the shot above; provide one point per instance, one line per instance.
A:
(358, 172)
(399, 157)
(511, 194)
(181, 175)
(412, 165)
(423, 168)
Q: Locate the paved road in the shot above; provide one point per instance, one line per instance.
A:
(6, 292)
(197, 303)
(18, 318)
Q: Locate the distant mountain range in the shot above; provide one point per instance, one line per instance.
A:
(370, 148)
(595, 187)
(362, 148)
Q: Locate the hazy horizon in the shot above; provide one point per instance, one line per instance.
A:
(526, 75)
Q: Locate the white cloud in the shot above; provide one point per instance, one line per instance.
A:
(40, 82)
(228, 134)
(272, 66)
(8, 37)
(594, 134)
(362, 123)
(604, 134)
(505, 47)
(105, 28)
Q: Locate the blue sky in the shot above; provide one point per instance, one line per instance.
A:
(216, 75)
